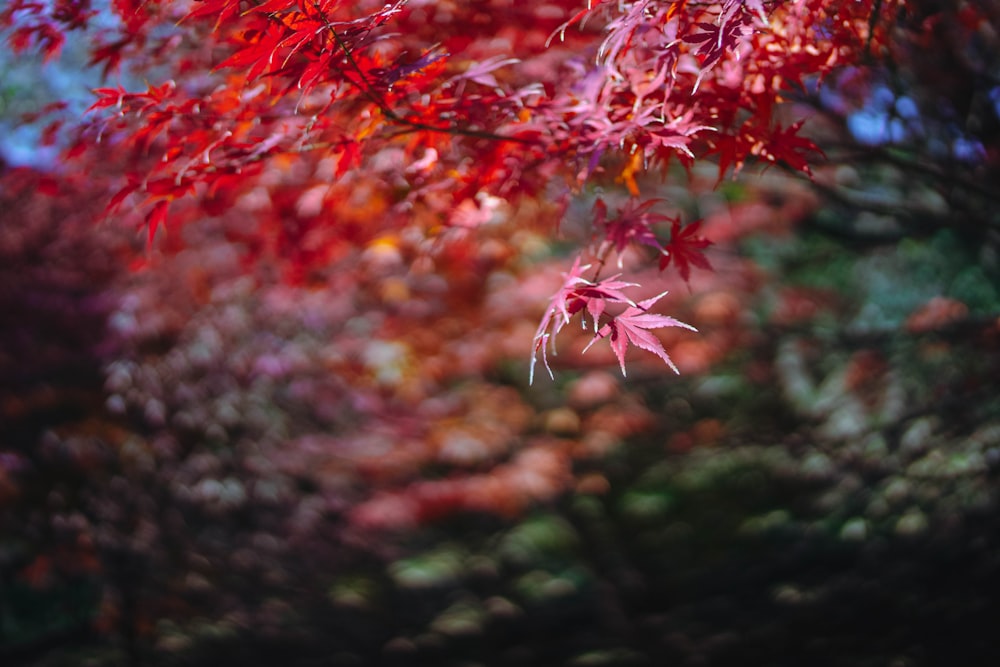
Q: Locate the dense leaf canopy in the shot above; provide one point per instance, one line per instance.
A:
(334, 126)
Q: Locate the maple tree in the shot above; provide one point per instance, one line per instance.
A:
(281, 387)
(336, 230)
(281, 112)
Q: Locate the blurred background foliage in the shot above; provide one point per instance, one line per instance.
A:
(202, 463)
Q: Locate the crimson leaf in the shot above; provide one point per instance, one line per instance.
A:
(685, 249)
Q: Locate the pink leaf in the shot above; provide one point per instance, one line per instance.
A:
(576, 294)
(633, 326)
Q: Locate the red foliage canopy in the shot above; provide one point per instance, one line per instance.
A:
(324, 126)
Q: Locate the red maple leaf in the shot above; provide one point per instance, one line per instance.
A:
(632, 326)
(154, 219)
(634, 222)
(685, 249)
(787, 146)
